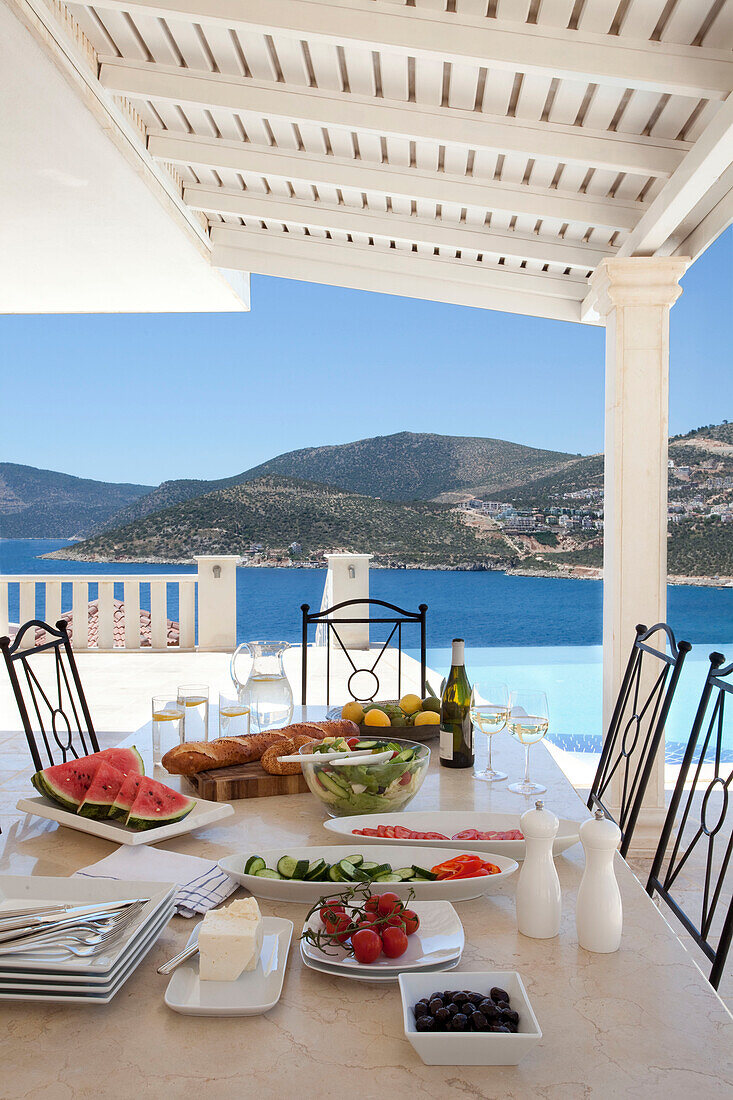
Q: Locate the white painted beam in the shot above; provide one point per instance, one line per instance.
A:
(387, 180)
(349, 219)
(495, 43)
(715, 222)
(395, 272)
(444, 125)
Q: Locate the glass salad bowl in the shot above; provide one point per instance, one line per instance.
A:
(365, 788)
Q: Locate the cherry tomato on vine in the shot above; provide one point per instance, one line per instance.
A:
(388, 904)
(394, 942)
(410, 920)
(367, 945)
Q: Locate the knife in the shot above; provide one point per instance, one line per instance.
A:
(25, 918)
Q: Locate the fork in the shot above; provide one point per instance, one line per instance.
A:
(85, 932)
(62, 924)
(57, 948)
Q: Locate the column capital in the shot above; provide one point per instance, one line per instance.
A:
(637, 281)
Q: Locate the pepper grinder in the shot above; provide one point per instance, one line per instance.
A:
(539, 900)
(599, 914)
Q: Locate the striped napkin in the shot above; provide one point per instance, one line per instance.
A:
(201, 883)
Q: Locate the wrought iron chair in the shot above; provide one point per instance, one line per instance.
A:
(60, 711)
(715, 838)
(397, 620)
(636, 728)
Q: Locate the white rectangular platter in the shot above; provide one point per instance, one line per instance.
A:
(449, 822)
(203, 813)
(309, 892)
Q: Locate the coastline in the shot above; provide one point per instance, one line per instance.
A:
(564, 572)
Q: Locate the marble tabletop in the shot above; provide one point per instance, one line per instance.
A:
(642, 1022)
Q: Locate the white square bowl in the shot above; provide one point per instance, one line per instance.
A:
(470, 1048)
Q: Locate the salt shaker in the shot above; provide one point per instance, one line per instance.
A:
(539, 901)
(599, 915)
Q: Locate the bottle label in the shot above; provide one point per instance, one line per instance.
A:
(446, 744)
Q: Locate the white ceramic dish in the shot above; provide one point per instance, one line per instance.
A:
(17, 891)
(450, 822)
(309, 892)
(203, 813)
(452, 1048)
(63, 993)
(439, 939)
(253, 993)
(379, 979)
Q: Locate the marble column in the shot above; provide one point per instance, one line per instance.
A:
(634, 295)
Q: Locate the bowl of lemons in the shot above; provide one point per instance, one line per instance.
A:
(410, 716)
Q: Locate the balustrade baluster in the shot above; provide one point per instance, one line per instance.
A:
(158, 615)
(186, 615)
(132, 614)
(4, 620)
(80, 617)
(105, 615)
(27, 609)
(52, 613)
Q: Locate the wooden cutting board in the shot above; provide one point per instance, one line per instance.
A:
(244, 781)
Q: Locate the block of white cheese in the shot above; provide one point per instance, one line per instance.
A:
(230, 941)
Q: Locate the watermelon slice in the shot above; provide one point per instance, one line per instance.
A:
(157, 804)
(68, 783)
(102, 792)
(120, 808)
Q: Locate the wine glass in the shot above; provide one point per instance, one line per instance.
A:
(489, 713)
(527, 722)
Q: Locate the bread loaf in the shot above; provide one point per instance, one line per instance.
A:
(201, 756)
(271, 757)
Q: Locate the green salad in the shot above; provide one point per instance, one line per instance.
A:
(372, 788)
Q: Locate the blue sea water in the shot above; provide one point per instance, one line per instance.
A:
(528, 631)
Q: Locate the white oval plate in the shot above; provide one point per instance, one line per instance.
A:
(356, 976)
(308, 892)
(439, 939)
(449, 822)
(254, 992)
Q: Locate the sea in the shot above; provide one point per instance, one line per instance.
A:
(526, 631)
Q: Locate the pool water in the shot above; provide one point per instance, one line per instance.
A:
(571, 677)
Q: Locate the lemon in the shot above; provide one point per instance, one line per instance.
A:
(353, 712)
(427, 718)
(411, 704)
(376, 717)
(431, 703)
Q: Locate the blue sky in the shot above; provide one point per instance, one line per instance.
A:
(145, 398)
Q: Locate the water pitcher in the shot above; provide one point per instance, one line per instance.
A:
(266, 691)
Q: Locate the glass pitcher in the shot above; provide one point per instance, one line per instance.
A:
(267, 690)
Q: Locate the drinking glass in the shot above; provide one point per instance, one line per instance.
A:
(194, 698)
(167, 725)
(527, 722)
(233, 717)
(489, 713)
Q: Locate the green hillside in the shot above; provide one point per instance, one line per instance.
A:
(44, 504)
(277, 511)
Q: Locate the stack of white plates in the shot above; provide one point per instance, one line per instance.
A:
(437, 945)
(60, 977)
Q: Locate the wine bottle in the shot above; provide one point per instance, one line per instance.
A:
(456, 730)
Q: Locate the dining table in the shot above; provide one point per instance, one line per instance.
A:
(640, 1022)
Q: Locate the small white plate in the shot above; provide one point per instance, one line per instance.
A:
(203, 813)
(449, 822)
(90, 994)
(439, 939)
(356, 976)
(253, 993)
(301, 891)
(17, 891)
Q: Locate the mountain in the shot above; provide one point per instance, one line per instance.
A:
(44, 504)
(278, 511)
(405, 466)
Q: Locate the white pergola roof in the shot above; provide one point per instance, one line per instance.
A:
(483, 152)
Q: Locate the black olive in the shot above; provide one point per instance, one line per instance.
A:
(475, 998)
(498, 994)
(459, 1022)
(460, 997)
(435, 1004)
(510, 1016)
(421, 1009)
(442, 1016)
(489, 1009)
(453, 1008)
(513, 1027)
(503, 1007)
(500, 1028)
(425, 1023)
(479, 1021)
(435, 997)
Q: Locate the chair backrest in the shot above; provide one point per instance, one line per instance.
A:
(702, 827)
(55, 717)
(636, 728)
(397, 619)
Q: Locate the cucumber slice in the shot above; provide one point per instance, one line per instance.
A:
(368, 867)
(422, 872)
(404, 757)
(286, 866)
(388, 878)
(253, 865)
(381, 869)
(267, 873)
(316, 869)
(357, 860)
(347, 870)
(334, 874)
(364, 745)
(405, 873)
(301, 869)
